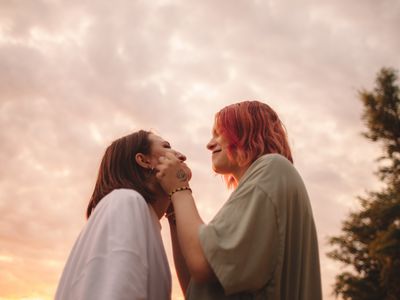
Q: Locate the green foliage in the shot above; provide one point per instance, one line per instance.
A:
(382, 118)
(370, 239)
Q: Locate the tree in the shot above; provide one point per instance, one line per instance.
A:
(370, 239)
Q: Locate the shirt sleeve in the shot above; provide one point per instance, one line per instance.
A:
(117, 268)
(241, 242)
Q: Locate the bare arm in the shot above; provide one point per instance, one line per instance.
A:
(187, 217)
(180, 264)
(188, 225)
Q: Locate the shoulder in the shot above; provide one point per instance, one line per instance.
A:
(266, 165)
(272, 160)
(122, 209)
(120, 221)
(270, 172)
(126, 194)
(125, 200)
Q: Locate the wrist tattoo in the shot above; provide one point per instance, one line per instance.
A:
(181, 175)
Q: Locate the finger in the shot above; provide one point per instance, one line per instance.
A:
(187, 170)
(185, 166)
(160, 175)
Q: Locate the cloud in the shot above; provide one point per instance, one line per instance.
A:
(76, 75)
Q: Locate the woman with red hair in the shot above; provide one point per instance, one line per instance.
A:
(262, 244)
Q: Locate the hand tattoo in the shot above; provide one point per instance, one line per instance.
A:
(181, 175)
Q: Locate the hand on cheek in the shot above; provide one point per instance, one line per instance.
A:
(172, 173)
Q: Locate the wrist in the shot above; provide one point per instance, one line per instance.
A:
(179, 189)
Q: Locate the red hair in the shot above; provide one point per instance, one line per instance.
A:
(252, 129)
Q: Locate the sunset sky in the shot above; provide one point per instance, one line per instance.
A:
(75, 75)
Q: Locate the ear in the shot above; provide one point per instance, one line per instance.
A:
(142, 160)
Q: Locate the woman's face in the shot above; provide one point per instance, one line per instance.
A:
(159, 147)
(221, 164)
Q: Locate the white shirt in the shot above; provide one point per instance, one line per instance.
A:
(119, 254)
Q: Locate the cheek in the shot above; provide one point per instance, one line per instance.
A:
(156, 155)
(159, 151)
(223, 142)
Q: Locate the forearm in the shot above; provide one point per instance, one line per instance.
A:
(180, 264)
(174, 177)
(188, 224)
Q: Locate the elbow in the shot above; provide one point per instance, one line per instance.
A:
(201, 272)
(201, 277)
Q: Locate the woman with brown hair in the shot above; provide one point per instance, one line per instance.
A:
(119, 253)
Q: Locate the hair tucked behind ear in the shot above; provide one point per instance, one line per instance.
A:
(119, 169)
(252, 129)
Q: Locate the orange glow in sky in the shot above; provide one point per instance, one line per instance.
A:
(74, 76)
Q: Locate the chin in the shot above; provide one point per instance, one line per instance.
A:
(215, 168)
(218, 170)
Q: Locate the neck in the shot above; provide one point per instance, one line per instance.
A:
(160, 205)
(238, 174)
(161, 199)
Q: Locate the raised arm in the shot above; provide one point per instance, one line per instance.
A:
(174, 174)
(180, 264)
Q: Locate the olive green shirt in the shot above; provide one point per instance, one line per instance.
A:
(262, 244)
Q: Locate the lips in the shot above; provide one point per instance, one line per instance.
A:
(216, 151)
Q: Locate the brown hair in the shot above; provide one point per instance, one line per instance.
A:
(119, 169)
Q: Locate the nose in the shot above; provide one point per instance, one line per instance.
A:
(211, 144)
(180, 156)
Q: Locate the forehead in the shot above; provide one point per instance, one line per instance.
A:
(156, 139)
